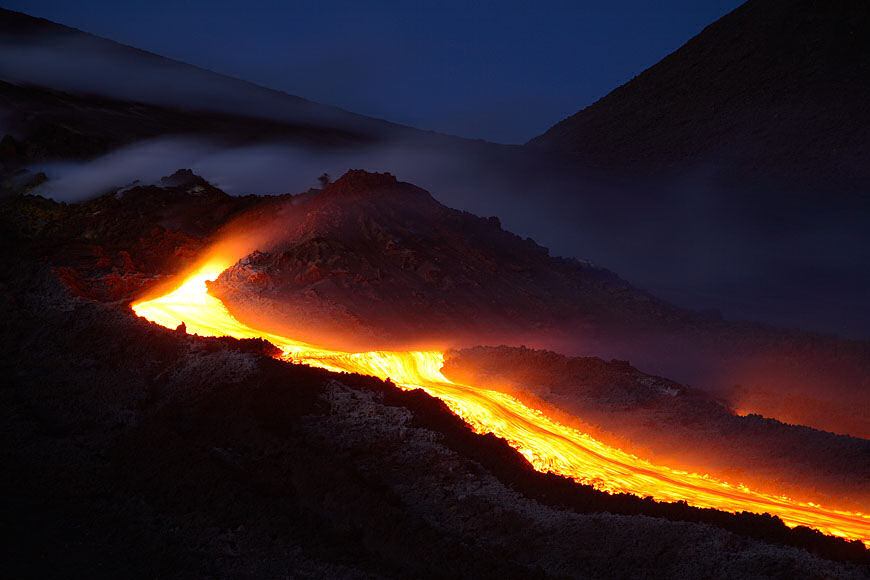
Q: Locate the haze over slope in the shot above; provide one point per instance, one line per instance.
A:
(741, 167)
(38, 52)
(371, 263)
(66, 95)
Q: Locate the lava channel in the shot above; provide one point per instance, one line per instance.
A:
(548, 445)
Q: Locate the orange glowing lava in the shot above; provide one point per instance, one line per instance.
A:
(548, 445)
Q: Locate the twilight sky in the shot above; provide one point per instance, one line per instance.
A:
(501, 71)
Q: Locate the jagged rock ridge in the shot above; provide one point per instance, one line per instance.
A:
(381, 263)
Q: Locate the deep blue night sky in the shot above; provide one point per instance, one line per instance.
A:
(502, 71)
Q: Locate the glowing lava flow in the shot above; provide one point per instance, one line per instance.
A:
(548, 445)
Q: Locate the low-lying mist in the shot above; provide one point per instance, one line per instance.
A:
(79, 63)
(756, 255)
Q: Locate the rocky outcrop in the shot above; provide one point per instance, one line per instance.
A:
(386, 265)
(118, 245)
(370, 262)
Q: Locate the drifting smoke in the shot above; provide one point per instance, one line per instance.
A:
(262, 169)
(693, 242)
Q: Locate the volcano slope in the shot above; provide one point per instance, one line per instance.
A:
(370, 262)
(132, 450)
(775, 91)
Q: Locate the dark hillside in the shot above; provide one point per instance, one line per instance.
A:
(38, 52)
(777, 89)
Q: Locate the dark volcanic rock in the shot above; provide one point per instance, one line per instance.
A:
(118, 245)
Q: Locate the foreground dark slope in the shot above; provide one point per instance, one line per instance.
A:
(776, 90)
(132, 450)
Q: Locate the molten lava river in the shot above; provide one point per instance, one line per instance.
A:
(548, 445)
